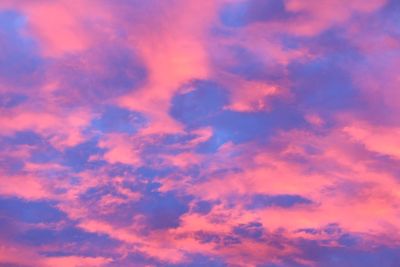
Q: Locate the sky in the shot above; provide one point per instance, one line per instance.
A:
(238, 133)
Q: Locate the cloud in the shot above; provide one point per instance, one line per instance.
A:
(199, 133)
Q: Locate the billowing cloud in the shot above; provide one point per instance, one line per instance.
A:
(199, 133)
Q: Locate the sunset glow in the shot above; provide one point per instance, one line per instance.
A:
(209, 133)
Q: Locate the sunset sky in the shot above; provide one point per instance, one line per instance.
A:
(238, 133)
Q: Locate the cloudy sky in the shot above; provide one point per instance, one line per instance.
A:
(209, 133)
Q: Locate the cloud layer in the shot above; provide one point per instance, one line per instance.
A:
(199, 133)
